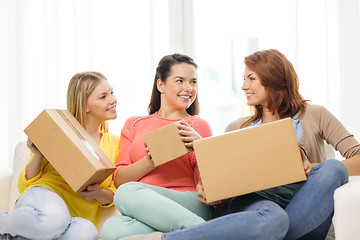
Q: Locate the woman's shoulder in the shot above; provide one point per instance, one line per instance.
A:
(200, 125)
(136, 120)
(132, 124)
(198, 119)
(313, 108)
(236, 124)
(316, 111)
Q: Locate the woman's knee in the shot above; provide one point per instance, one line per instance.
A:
(275, 222)
(126, 195)
(50, 224)
(112, 228)
(279, 225)
(334, 169)
(47, 212)
(80, 228)
(272, 222)
(117, 227)
(340, 170)
(87, 230)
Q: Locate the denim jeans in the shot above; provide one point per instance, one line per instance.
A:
(146, 208)
(42, 214)
(308, 215)
(256, 220)
(311, 209)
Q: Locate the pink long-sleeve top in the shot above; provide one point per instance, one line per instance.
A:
(180, 174)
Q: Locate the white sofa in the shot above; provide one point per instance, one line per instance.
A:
(346, 218)
(8, 184)
(345, 221)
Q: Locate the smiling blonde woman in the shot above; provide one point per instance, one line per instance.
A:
(48, 208)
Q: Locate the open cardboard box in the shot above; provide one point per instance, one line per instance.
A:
(249, 160)
(69, 148)
(165, 144)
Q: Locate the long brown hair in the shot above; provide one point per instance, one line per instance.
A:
(281, 83)
(162, 72)
(80, 87)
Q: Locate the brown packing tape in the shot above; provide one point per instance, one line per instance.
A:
(91, 149)
(87, 137)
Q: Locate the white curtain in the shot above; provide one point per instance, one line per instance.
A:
(45, 42)
(320, 37)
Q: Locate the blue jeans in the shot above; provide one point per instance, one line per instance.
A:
(256, 219)
(311, 209)
(308, 215)
(42, 214)
(146, 208)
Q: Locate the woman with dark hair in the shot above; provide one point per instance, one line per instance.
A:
(160, 198)
(294, 211)
(162, 72)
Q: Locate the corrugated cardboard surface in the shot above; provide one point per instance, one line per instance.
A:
(165, 144)
(69, 148)
(249, 160)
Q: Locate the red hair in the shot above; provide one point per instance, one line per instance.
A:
(281, 83)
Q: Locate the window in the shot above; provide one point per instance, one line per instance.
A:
(227, 31)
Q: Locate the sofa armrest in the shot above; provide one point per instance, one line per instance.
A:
(5, 183)
(347, 210)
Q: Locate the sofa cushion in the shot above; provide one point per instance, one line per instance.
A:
(21, 157)
(347, 210)
(5, 181)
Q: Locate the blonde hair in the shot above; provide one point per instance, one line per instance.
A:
(80, 87)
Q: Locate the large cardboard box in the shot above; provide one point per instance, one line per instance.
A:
(165, 144)
(249, 160)
(69, 148)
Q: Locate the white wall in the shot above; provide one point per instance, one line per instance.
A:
(4, 76)
(349, 46)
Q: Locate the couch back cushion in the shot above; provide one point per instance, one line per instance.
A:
(21, 157)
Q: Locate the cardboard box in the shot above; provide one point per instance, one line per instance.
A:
(249, 160)
(165, 144)
(69, 148)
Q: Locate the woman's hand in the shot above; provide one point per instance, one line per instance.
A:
(306, 163)
(103, 196)
(34, 166)
(201, 194)
(34, 149)
(188, 134)
(148, 156)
